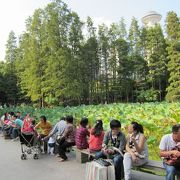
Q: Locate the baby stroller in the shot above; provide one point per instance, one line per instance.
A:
(29, 140)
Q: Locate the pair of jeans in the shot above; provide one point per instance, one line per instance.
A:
(170, 171)
(118, 162)
(15, 132)
(62, 148)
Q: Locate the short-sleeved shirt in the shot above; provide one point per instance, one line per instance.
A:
(18, 122)
(95, 142)
(44, 127)
(167, 143)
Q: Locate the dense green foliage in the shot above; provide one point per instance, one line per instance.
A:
(173, 40)
(56, 62)
(156, 118)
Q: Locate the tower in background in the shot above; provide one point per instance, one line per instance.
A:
(151, 18)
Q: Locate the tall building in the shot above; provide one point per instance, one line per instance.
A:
(151, 18)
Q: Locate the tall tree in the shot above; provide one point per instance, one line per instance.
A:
(103, 41)
(138, 64)
(157, 61)
(9, 72)
(173, 40)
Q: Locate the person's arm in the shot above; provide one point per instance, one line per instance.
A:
(53, 131)
(105, 140)
(164, 152)
(122, 143)
(37, 126)
(87, 132)
(67, 131)
(129, 150)
(140, 146)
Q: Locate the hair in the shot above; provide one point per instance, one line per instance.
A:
(98, 128)
(18, 112)
(84, 122)
(11, 113)
(14, 116)
(137, 127)
(63, 118)
(115, 124)
(69, 119)
(43, 118)
(6, 115)
(175, 128)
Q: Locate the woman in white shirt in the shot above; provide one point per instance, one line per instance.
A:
(136, 149)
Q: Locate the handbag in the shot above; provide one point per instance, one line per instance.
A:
(60, 139)
(103, 162)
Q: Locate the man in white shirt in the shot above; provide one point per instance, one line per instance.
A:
(170, 152)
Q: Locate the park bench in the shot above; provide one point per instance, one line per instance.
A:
(154, 167)
(82, 155)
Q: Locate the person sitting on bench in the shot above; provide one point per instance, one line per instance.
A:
(136, 147)
(113, 144)
(96, 137)
(81, 134)
(170, 152)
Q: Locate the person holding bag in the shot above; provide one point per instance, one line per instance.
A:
(67, 139)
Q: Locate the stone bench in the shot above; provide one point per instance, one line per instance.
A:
(154, 167)
(82, 155)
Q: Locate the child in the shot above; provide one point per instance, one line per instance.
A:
(96, 137)
(51, 145)
(81, 135)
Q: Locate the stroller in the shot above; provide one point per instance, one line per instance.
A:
(29, 140)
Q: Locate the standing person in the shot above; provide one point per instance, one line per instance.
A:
(81, 134)
(58, 130)
(136, 147)
(170, 152)
(67, 139)
(45, 127)
(96, 137)
(113, 144)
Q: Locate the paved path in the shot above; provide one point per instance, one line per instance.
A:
(46, 168)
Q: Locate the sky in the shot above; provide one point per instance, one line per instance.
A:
(13, 13)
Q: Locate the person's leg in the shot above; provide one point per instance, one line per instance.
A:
(170, 172)
(62, 149)
(100, 154)
(118, 161)
(14, 133)
(44, 143)
(127, 162)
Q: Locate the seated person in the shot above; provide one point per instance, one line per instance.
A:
(18, 114)
(45, 128)
(16, 127)
(113, 144)
(96, 137)
(136, 147)
(67, 139)
(81, 134)
(5, 121)
(27, 126)
(170, 152)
